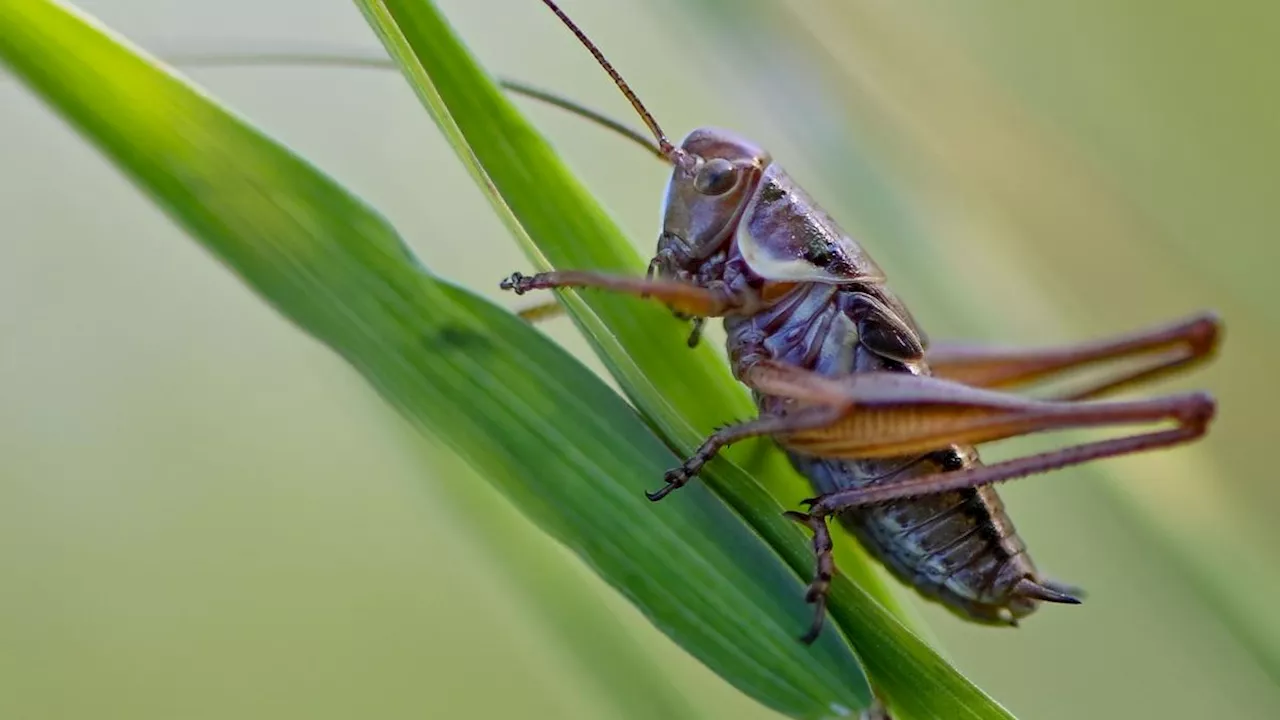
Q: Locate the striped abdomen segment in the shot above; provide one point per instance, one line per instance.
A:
(958, 548)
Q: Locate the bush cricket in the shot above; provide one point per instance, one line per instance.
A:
(883, 424)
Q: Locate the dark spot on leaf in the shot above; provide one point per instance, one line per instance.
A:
(456, 338)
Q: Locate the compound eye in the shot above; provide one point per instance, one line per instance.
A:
(716, 177)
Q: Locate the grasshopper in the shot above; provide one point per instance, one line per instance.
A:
(883, 424)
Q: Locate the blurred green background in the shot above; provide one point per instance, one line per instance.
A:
(205, 514)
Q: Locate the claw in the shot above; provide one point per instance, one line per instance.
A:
(657, 495)
(675, 479)
(802, 518)
(515, 283)
(819, 615)
(695, 334)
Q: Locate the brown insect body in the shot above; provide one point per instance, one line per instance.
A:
(835, 316)
(882, 424)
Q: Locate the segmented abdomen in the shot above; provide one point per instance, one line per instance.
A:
(957, 548)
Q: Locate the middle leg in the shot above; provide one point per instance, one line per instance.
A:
(801, 418)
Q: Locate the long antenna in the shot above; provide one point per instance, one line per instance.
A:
(363, 62)
(671, 152)
(584, 112)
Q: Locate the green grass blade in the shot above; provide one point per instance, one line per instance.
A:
(682, 393)
(604, 657)
(597, 648)
(569, 452)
